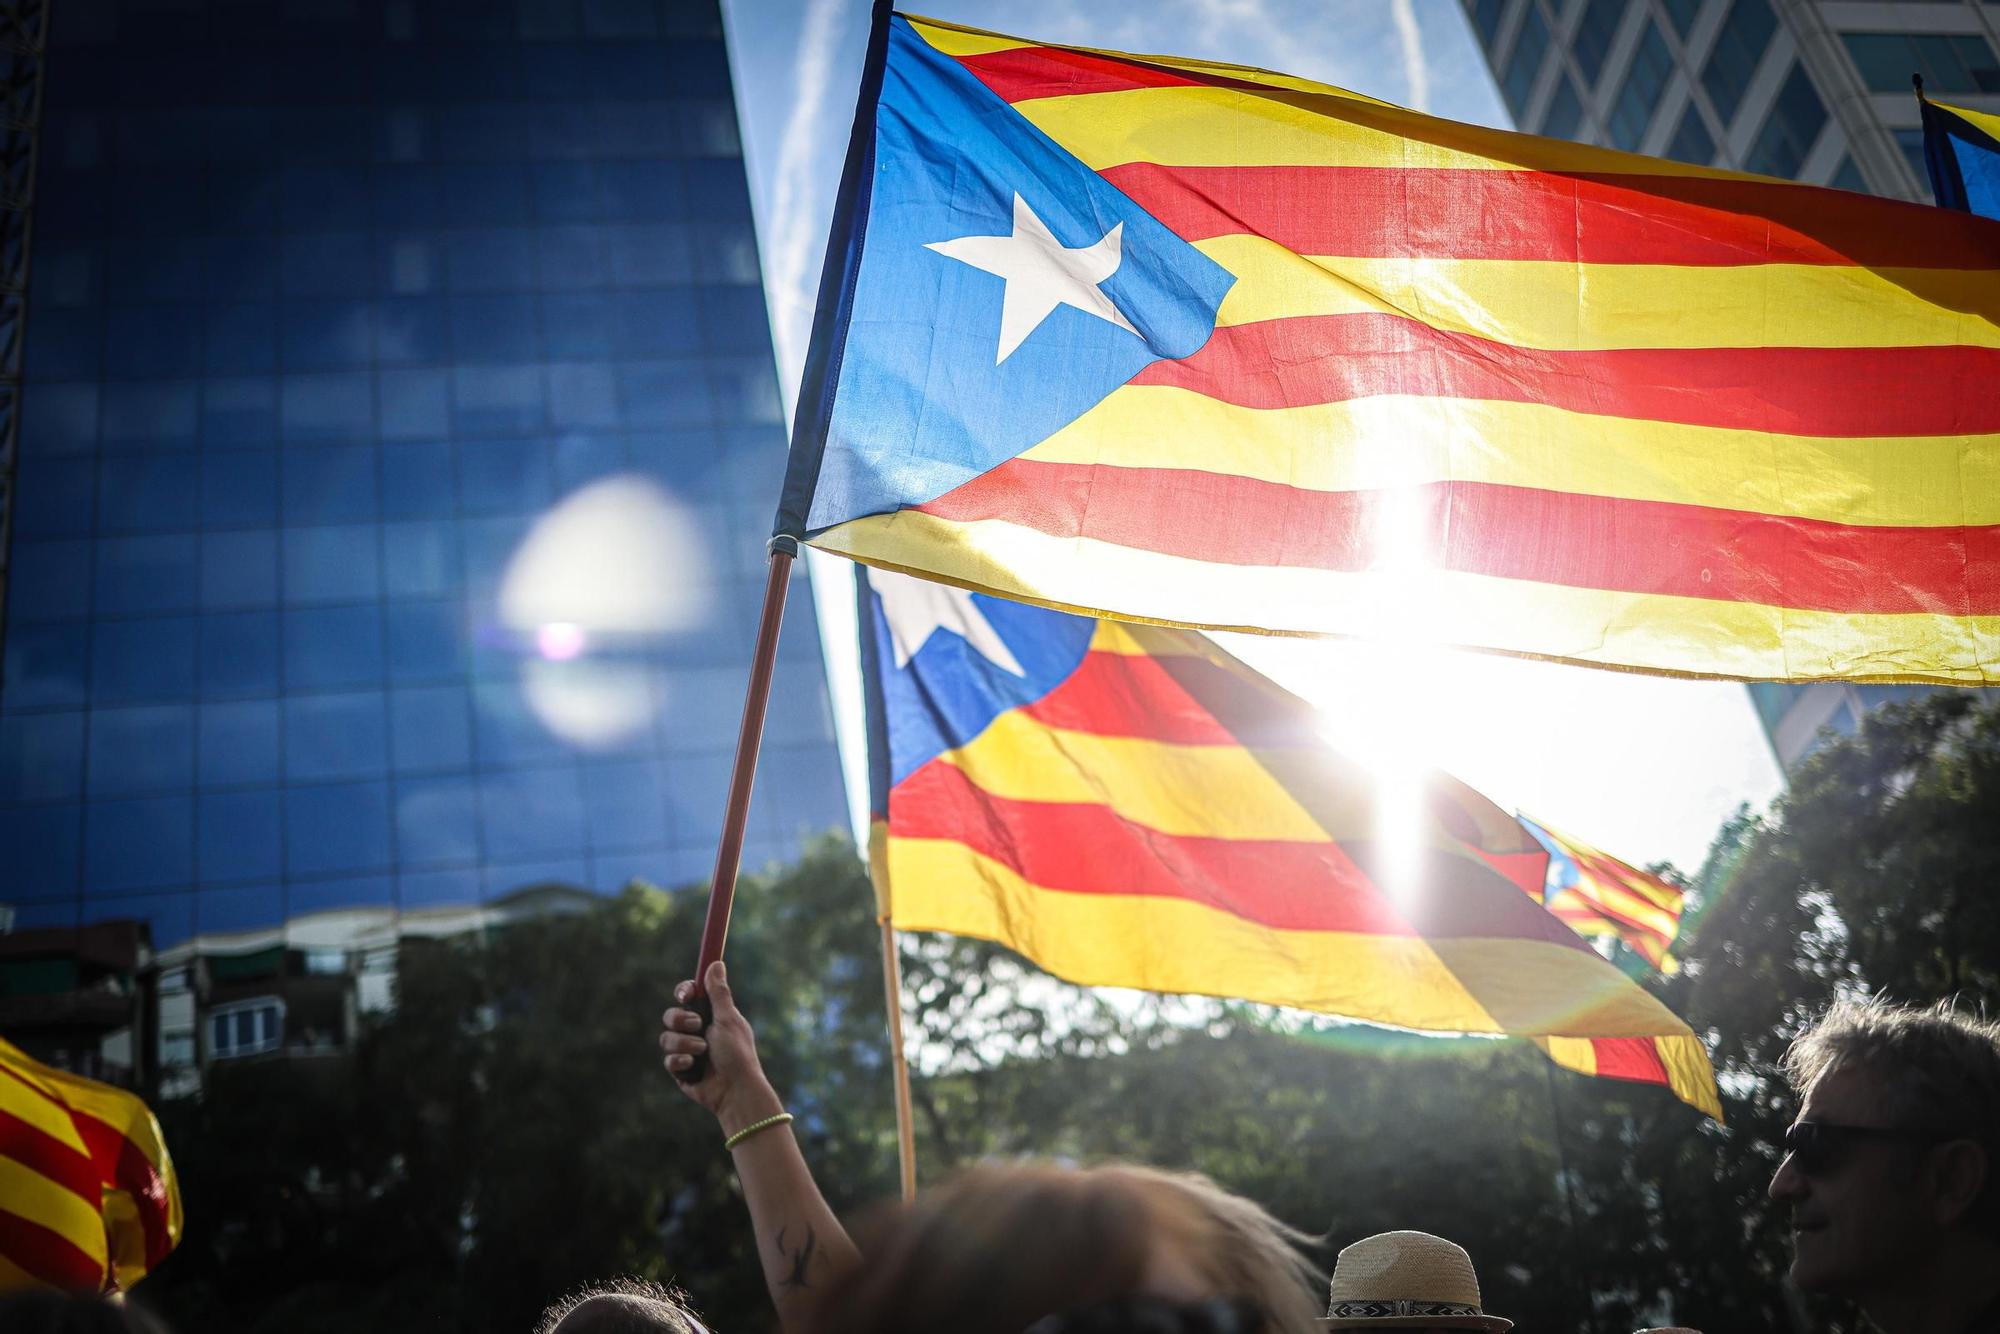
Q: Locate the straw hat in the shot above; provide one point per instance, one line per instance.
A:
(1407, 1280)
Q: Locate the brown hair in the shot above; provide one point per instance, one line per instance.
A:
(998, 1247)
(621, 1306)
(1939, 1071)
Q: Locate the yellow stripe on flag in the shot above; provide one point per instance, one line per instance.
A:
(1231, 127)
(1592, 627)
(1204, 791)
(1174, 945)
(1401, 440)
(28, 1194)
(1592, 307)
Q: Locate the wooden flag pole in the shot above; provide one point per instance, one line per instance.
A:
(892, 984)
(749, 737)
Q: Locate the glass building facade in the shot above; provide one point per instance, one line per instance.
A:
(399, 439)
(1815, 90)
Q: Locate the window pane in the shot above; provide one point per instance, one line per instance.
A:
(1526, 62)
(1739, 45)
(239, 569)
(145, 574)
(238, 743)
(1652, 64)
(1981, 67)
(131, 661)
(337, 828)
(41, 756)
(239, 653)
(338, 564)
(140, 844)
(1594, 31)
(238, 837)
(1849, 177)
(141, 750)
(1794, 123)
(1692, 141)
(330, 485)
(1912, 144)
(335, 736)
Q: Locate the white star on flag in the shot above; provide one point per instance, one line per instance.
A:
(1041, 273)
(915, 608)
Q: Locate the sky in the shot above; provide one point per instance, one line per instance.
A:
(1645, 768)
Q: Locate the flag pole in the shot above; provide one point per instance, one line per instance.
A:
(809, 439)
(742, 776)
(892, 985)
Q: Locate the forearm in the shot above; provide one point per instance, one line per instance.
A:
(800, 1244)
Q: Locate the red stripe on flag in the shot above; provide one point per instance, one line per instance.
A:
(126, 1167)
(1833, 391)
(47, 1254)
(35, 1148)
(1602, 918)
(1510, 532)
(1629, 1058)
(1294, 886)
(1088, 849)
(1457, 213)
(1126, 695)
(1023, 73)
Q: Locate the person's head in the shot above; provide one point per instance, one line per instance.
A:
(998, 1248)
(1886, 1170)
(621, 1306)
(1408, 1282)
(47, 1311)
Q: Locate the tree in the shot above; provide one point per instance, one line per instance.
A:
(507, 1133)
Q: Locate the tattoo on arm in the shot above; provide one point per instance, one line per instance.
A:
(798, 1258)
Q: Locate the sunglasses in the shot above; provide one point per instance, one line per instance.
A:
(1816, 1147)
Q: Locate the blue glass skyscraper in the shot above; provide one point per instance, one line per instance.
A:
(399, 436)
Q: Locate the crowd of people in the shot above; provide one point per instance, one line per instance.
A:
(1886, 1178)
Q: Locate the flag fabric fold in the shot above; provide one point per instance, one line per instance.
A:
(1128, 805)
(1601, 898)
(88, 1196)
(1962, 153)
(1186, 343)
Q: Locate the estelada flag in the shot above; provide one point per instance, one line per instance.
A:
(1962, 153)
(1189, 343)
(88, 1197)
(1128, 805)
(1600, 897)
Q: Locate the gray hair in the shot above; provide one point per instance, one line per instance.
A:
(1940, 1070)
(621, 1306)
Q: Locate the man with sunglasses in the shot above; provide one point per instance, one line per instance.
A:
(1887, 1169)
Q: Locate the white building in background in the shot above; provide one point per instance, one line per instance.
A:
(1815, 90)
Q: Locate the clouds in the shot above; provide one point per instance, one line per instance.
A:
(1416, 73)
(798, 194)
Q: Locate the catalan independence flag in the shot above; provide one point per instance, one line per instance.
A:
(1187, 343)
(88, 1198)
(1127, 805)
(1602, 898)
(1962, 151)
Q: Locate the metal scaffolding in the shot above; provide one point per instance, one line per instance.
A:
(24, 30)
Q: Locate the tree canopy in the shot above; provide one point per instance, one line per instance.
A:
(507, 1132)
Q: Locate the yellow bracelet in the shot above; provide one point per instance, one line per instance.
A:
(780, 1119)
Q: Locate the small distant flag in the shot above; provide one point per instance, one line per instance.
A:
(88, 1197)
(1962, 151)
(1179, 342)
(1601, 898)
(1128, 805)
